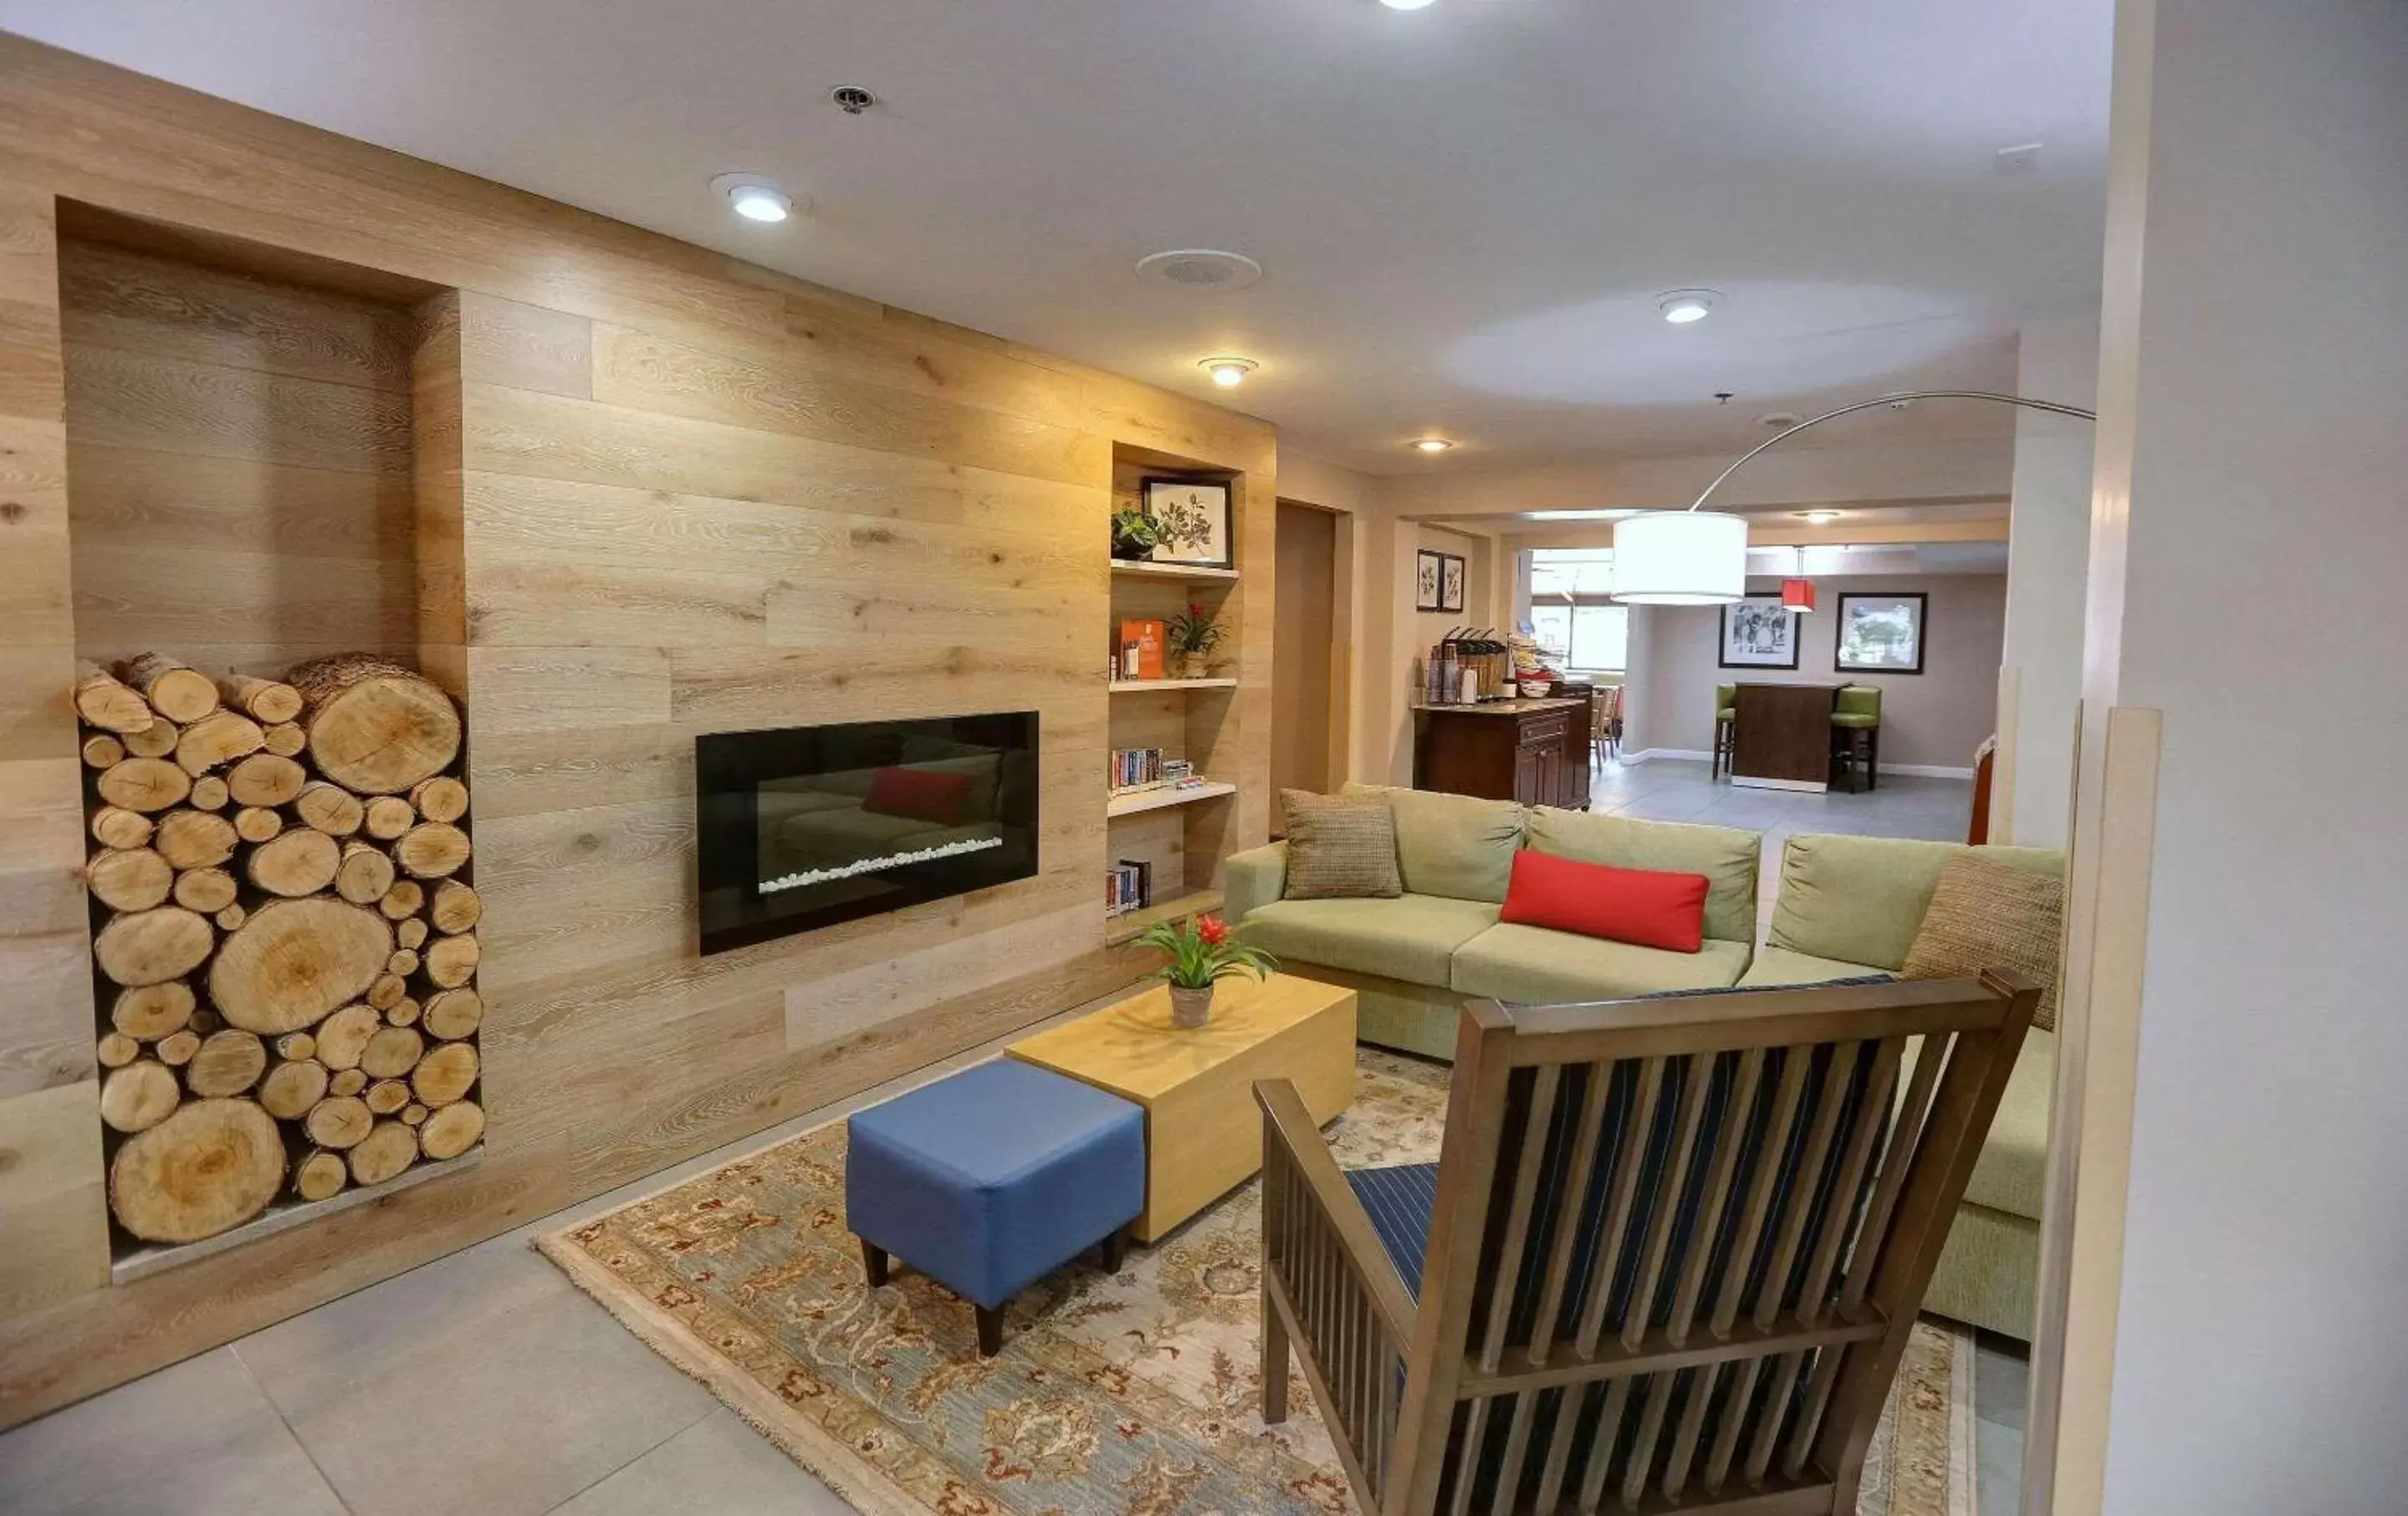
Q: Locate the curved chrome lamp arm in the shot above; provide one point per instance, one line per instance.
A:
(2050, 406)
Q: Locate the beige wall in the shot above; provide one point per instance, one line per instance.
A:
(1934, 719)
(2237, 1051)
(2048, 556)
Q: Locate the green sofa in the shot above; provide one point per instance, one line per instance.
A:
(1853, 906)
(1414, 960)
(1848, 905)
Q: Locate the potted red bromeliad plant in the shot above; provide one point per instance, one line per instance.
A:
(1201, 955)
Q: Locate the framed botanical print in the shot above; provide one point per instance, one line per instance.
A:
(1759, 633)
(1192, 516)
(1450, 582)
(1426, 580)
(1881, 633)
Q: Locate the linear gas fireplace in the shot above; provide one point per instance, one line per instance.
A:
(808, 826)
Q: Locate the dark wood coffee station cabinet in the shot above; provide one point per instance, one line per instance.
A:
(1532, 751)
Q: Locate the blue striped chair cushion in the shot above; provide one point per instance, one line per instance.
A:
(1398, 1201)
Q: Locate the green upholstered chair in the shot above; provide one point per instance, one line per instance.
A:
(1724, 696)
(1855, 735)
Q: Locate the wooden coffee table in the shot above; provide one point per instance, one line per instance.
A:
(1203, 1133)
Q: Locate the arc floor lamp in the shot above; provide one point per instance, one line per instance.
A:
(1699, 557)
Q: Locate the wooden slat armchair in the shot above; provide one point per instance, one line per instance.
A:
(1668, 1260)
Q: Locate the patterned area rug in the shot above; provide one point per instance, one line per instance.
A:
(1133, 1392)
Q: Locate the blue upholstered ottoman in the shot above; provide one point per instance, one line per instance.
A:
(992, 1177)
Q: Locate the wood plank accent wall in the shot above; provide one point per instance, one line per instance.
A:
(684, 494)
(240, 457)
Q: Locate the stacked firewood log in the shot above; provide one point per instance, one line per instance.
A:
(285, 938)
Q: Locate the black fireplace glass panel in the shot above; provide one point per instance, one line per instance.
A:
(806, 827)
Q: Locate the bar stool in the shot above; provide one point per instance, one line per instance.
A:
(1724, 696)
(1855, 735)
(1605, 722)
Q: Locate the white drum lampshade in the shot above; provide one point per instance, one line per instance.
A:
(1680, 557)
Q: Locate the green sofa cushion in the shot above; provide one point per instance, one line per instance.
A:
(2012, 1170)
(1860, 900)
(1411, 937)
(1535, 965)
(1728, 857)
(1456, 845)
(1779, 966)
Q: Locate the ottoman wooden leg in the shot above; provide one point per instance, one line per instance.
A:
(1116, 1248)
(990, 1330)
(873, 1263)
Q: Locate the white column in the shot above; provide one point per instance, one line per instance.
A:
(2241, 1010)
(2048, 558)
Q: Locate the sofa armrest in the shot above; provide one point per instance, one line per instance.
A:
(1256, 876)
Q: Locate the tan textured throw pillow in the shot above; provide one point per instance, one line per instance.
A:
(1992, 915)
(1339, 847)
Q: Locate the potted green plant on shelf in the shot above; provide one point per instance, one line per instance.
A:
(1202, 954)
(1193, 636)
(1134, 534)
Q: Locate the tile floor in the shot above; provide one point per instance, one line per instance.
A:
(485, 1383)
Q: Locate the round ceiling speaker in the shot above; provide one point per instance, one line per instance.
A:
(1199, 268)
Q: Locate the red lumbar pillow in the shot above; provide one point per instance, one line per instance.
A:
(919, 795)
(1597, 900)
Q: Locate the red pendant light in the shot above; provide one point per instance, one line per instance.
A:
(1797, 595)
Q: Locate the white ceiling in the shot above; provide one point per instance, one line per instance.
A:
(1464, 211)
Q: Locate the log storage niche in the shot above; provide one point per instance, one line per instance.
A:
(247, 962)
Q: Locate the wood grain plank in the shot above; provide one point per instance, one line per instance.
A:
(1052, 529)
(51, 1189)
(29, 262)
(649, 371)
(833, 1007)
(522, 689)
(31, 376)
(36, 719)
(742, 687)
(144, 498)
(515, 431)
(46, 1020)
(163, 307)
(129, 598)
(594, 605)
(131, 399)
(525, 347)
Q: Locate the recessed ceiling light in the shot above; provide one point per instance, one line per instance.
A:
(1818, 518)
(1681, 307)
(1431, 444)
(1406, 5)
(1199, 268)
(755, 197)
(1228, 372)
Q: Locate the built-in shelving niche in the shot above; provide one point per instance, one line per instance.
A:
(262, 467)
(1185, 838)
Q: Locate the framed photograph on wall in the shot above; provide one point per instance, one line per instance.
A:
(1426, 580)
(1450, 582)
(1758, 633)
(1881, 633)
(1193, 515)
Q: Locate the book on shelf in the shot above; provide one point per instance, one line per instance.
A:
(1138, 768)
(1141, 644)
(1128, 885)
